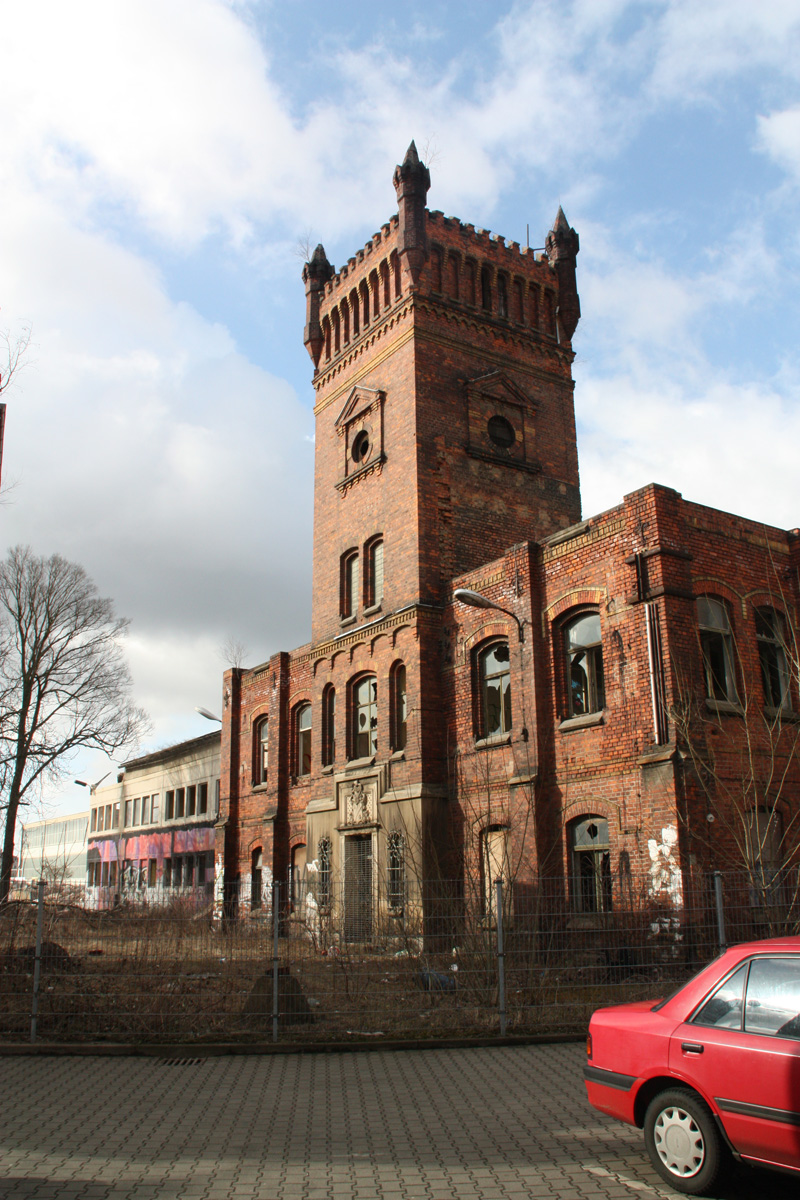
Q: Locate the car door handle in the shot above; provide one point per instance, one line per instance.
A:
(691, 1048)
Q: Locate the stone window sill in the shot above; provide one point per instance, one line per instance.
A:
(348, 620)
(261, 787)
(328, 770)
(397, 756)
(494, 739)
(724, 707)
(781, 714)
(584, 721)
(356, 764)
(373, 608)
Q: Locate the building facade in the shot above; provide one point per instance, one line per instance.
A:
(54, 849)
(417, 736)
(151, 833)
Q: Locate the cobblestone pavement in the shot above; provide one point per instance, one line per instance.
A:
(476, 1124)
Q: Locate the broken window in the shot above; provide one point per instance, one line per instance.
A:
(771, 637)
(494, 864)
(191, 800)
(169, 806)
(591, 865)
(374, 560)
(202, 797)
(154, 808)
(303, 739)
(152, 873)
(494, 670)
(324, 872)
(255, 878)
(585, 678)
(349, 584)
(365, 717)
(399, 707)
(716, 645)
(328, 726)
(396, 871)
(180, 802)
(262, 750)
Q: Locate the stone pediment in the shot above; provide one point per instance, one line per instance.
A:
(501, 421)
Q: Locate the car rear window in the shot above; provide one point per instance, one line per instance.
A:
(773, 997)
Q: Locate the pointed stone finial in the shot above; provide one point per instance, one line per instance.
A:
(562, 245)
(316, 274)
(411, 182)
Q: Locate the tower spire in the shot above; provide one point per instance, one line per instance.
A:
(562, 245)
(316, 274)
(411, 182)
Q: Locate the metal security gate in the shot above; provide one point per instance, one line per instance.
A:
(358, 888)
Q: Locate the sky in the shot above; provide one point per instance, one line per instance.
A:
(164, 161)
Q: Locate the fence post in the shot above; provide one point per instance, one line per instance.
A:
(718, 905)
(276, 897)
(501, 960)
(37, 963)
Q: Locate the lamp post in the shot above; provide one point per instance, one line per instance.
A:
(209, 716)
(476, 600)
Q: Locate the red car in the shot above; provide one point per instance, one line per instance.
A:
(711, 1072)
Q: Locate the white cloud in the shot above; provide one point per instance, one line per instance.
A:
(779, 136)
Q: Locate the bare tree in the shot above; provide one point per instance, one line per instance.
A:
(64, 683)
(12, 351)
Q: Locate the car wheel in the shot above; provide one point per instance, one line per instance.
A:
(683, 1141)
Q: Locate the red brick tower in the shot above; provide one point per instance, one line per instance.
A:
(445, 418)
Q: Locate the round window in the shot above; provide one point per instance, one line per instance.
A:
(501, 432)
(361, 446)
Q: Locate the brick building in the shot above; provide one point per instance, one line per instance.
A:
(419, 736)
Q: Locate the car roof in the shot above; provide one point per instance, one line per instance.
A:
(765, 945)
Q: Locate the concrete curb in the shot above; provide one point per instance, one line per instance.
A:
(218, 1049)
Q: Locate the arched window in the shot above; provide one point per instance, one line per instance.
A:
(302, 726)
(349, 583)
(452, 276)
(261, 750)
(436, 269)
(585, 679)
(470, 282)
(324, 873)
(329, 726)
(502, 296)
(297, 875)
(374, 580)
(365, 717)
(494, 674)
(771, 637)
(716, 645)
(486, 289)
(354, 311)
(396, 872)
(256, 885)
(399, 706)
(590, 864)
(494, 864)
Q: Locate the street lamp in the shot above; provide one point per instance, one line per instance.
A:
(209, 716)
(476, 600)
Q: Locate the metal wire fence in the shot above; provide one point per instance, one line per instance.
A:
(427, 961)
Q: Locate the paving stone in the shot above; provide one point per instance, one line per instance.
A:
(505, 1123)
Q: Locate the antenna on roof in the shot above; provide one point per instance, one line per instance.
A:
(527, 237)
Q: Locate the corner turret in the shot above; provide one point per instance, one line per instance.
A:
(412, 181)
(562, 245)
(316, 274)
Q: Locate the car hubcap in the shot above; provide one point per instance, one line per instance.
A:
(679, 1142)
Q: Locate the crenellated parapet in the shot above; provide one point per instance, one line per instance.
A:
(422, 253)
